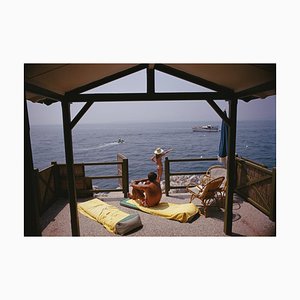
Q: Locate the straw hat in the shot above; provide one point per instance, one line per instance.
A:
(158, 151)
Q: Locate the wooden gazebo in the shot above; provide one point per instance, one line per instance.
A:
(65, 83)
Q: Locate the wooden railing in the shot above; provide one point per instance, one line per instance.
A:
(122, 176)
(254, 182)
(46, 187)
(257, 184)
(168, 172)
(52, 181)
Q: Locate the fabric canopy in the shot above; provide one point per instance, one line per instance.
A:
(247, 81)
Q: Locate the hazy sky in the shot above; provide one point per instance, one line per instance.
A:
(151, 111)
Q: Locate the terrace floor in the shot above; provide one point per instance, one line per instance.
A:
(247, 220)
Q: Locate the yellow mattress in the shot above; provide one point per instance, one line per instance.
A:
(180, 212)
(113, 219)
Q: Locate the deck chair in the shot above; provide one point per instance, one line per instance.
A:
(216, 171)
(208, 193)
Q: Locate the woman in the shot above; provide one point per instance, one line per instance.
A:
(157, 158)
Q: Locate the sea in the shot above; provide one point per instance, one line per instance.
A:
(256, 140)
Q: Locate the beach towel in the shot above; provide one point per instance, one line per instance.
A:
(113, 219)
(183, 213)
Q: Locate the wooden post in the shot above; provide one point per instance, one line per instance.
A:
(273, 203)
(230, 167)
(167, 176)
(31, 215)
(150, 80)
(125, 179)
(70, 168)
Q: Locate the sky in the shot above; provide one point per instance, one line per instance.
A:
(132, 112)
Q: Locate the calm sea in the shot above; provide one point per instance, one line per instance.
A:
(256, 140)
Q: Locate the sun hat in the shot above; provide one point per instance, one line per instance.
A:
(158, 151)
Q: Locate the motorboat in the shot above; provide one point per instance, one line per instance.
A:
(205, 128)
(121, 141)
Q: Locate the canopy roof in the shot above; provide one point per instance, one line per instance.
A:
(50, 82)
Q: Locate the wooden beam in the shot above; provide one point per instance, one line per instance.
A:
(70, 169)
(219, 111)
(150, 81)
(107, 79)
(125, 97)
(194, 79)
(81, 113)
(231, 170)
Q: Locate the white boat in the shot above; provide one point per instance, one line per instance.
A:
(205, 128)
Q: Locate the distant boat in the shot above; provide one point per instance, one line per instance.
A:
(121, 141)
(206, 128)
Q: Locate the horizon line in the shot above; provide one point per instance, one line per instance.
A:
(147, 122)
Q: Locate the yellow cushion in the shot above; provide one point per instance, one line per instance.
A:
(173, 211)
(103, 213)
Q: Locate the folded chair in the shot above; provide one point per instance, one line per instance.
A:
(208, 193)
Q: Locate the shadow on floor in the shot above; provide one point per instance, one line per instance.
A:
(49, 215)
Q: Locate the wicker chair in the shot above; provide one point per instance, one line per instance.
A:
(208, 193)
(216, 171)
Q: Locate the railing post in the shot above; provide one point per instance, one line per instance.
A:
(125, 179)
(167, 176)
(273, 199)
